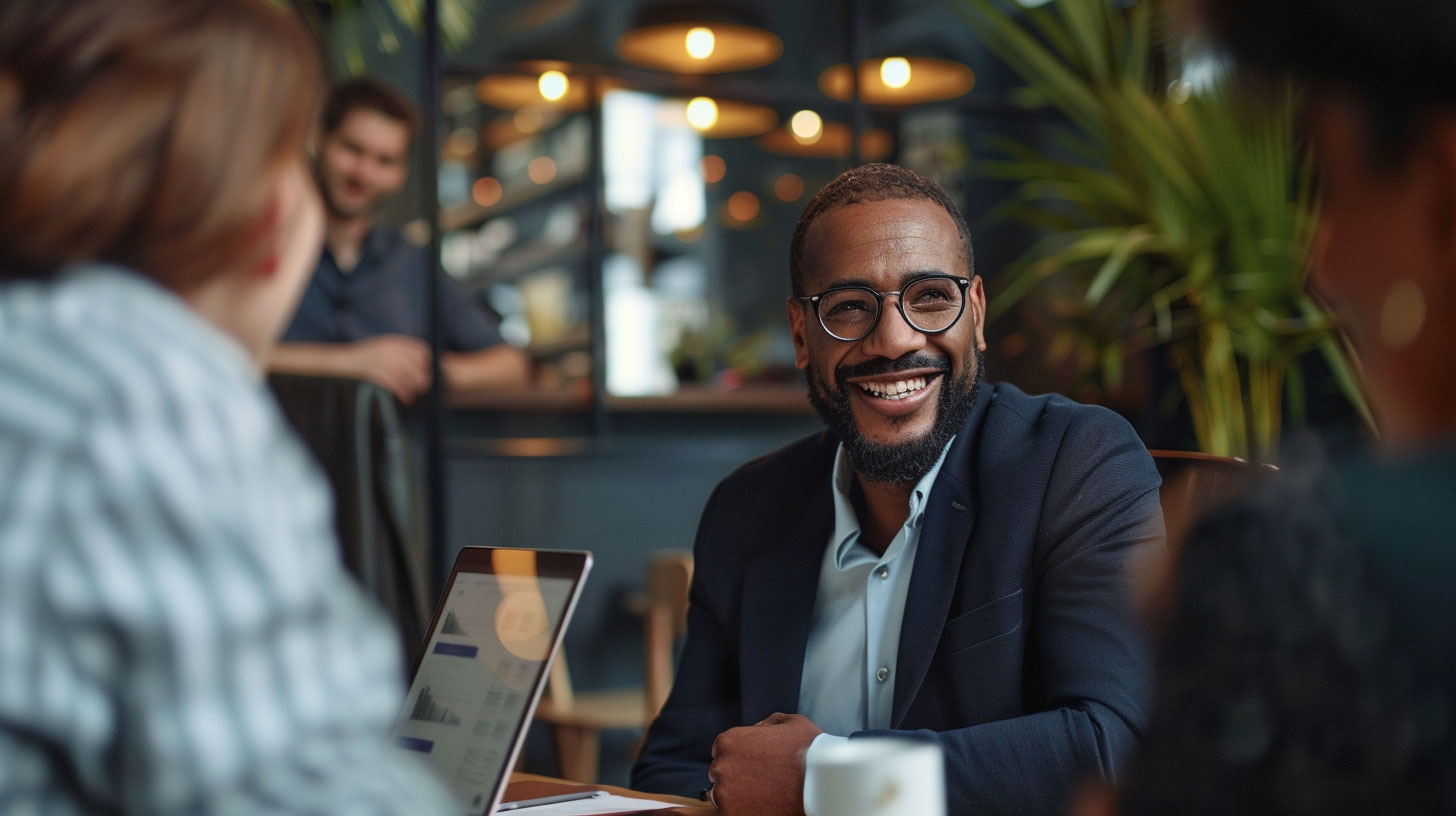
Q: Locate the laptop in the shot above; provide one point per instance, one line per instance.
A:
(476, 684)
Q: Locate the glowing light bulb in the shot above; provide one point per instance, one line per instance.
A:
(553, 85)
(700, 42)
(895, 72)
(702, 113)
(807, 127)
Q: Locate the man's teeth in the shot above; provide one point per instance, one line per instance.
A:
(896, 390)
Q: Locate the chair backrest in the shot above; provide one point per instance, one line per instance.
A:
(664, 610)
(354, 430)
(669, 576)
(1194, 483)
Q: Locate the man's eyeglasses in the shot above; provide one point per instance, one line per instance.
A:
(930, 304)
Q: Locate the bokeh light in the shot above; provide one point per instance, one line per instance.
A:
(486, 191)
(743, 206)
(788, 187)
(702, 113)
(807, 127)
(541, 169)
(895, 72)
(700, 42)
(714, 168)
(553, 85)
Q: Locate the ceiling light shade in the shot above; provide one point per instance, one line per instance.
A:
(736, 120)
(698, 38)
(900, 80)
(833, 142)
(530, 87)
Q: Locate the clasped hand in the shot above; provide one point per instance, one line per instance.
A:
(758, 770)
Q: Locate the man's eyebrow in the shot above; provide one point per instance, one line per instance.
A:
(846, 282)
(920, 273)
(905, 277)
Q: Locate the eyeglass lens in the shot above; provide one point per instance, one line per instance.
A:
(929, 304)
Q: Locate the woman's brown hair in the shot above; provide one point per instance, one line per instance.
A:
(146, 132)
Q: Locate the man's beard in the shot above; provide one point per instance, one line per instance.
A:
(331, 203)
(901, 463)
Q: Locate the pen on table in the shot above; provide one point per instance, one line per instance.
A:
(551, 800)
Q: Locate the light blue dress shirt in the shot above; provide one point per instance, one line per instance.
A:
(848, 683)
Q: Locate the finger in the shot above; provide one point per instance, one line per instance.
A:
(401, 392)
(419, 376)
(777, 718)
(411, 374)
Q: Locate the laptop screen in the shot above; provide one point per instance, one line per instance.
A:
(475, 686)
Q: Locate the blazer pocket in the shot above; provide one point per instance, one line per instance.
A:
(987, 621)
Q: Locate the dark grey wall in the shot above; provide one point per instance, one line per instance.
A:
(641, 491)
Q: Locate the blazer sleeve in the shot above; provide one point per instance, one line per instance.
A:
(705, 698)
(1092, 679)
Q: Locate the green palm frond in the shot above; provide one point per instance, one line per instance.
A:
(358, 26)
(1184, 222)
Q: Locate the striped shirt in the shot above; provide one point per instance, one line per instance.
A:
(177, 634)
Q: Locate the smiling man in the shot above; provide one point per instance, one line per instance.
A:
(363, 313)
(946, 562)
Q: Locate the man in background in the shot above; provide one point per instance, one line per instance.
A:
(363, 313)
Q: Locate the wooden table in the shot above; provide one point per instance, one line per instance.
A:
(531, 786)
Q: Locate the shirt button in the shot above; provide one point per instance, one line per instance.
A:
(882, 573)
(883, 674)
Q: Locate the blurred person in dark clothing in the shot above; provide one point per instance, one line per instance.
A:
(363, 312)
(1284, 684)
(1308, 665)
(177, 634)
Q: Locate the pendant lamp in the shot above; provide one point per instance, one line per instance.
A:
(698, 38)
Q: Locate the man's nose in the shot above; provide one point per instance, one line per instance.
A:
(892, 337)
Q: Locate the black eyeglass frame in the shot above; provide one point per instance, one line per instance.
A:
(817, 298)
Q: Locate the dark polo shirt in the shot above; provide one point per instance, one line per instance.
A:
(385, 294)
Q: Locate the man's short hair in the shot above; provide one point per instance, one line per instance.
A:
(872, 182)
(368, 93)
(1397, 57)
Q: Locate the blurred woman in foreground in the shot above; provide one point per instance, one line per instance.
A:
(176, 633)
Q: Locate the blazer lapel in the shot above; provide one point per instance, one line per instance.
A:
(778, 609)
(950, 519)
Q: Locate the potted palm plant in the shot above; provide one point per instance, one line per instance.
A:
(1173, 218)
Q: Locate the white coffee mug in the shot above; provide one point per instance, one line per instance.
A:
(875, 776)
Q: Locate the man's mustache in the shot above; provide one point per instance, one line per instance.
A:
(871, 368)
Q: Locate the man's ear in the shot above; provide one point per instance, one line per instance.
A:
(796, 331)
(976, 305)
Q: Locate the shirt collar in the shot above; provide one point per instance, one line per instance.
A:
(375, 245)
(846, 523)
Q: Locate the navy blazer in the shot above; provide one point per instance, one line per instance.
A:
(1019, 652)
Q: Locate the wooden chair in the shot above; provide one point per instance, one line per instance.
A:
(578, 719)
(1193, 484)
